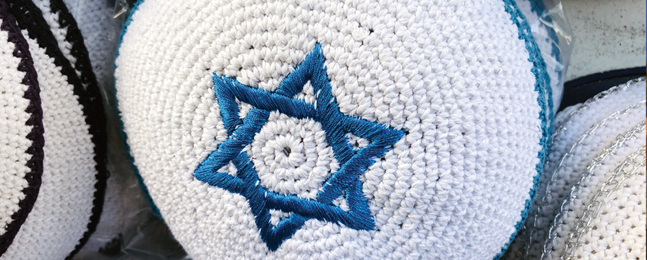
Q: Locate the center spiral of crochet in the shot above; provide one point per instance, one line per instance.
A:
(292, 156)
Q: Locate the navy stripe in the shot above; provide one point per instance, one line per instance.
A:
(35, 163)
(30, 18)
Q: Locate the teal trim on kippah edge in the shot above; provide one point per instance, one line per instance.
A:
(542, 86)
(147, 195)
(538, 7)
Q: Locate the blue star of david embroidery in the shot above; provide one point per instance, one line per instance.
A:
(325, 110)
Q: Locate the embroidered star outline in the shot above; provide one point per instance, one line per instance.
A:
(336, 125)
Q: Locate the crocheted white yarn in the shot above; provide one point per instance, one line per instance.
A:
(590, 182)
(94, 20)
(58, 31)
(588, 130)
(565, 115)
(541, 33)
(453, 74)
(588, 114)
(97, 26)
(63, 208)
(555, 188)
(618, 229)
(13, 132)
(590, 145)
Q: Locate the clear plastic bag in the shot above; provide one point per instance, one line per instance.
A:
(554, 37)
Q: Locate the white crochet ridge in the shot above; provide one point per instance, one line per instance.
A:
(453, 74)
(589, 113)
(59, 32)
(100, 32)
(583, 132)
(565, 115)
(63, 208)
(13, 126)
(556, 186)
(97, 24)
(613, 225)
(567, 226)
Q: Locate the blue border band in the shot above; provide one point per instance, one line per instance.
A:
(542, 86)
(538, 7)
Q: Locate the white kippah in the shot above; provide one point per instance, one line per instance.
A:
(617, 216)
(325, 130)
(99, 31)
(21, 130)
(71, 43)
(66, 207)
(615, 167)
(589, 137)
(577, 121)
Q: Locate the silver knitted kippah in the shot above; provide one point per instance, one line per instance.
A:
(596, 163)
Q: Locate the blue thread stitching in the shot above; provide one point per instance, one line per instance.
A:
(538, 7)
(295, 221)
(334, 123)
(541, 85)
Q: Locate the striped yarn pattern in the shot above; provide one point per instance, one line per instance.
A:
(21, 130)
(71, 43)
(64, 207)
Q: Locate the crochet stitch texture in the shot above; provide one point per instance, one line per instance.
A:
(21, 130)
(583, 133)
(64, 208)
(96, 23)
(456, 77)
(588, 136)
(543, 30)
(71, 44)
(344, 182)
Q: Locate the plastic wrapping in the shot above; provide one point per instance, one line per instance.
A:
(129, 228)
(554, 37)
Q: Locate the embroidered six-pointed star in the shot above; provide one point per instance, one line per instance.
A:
(327, 130)
(336, 125)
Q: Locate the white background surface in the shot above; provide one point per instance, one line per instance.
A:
(608, 35)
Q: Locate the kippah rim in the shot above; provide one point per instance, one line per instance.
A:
(35, 163)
